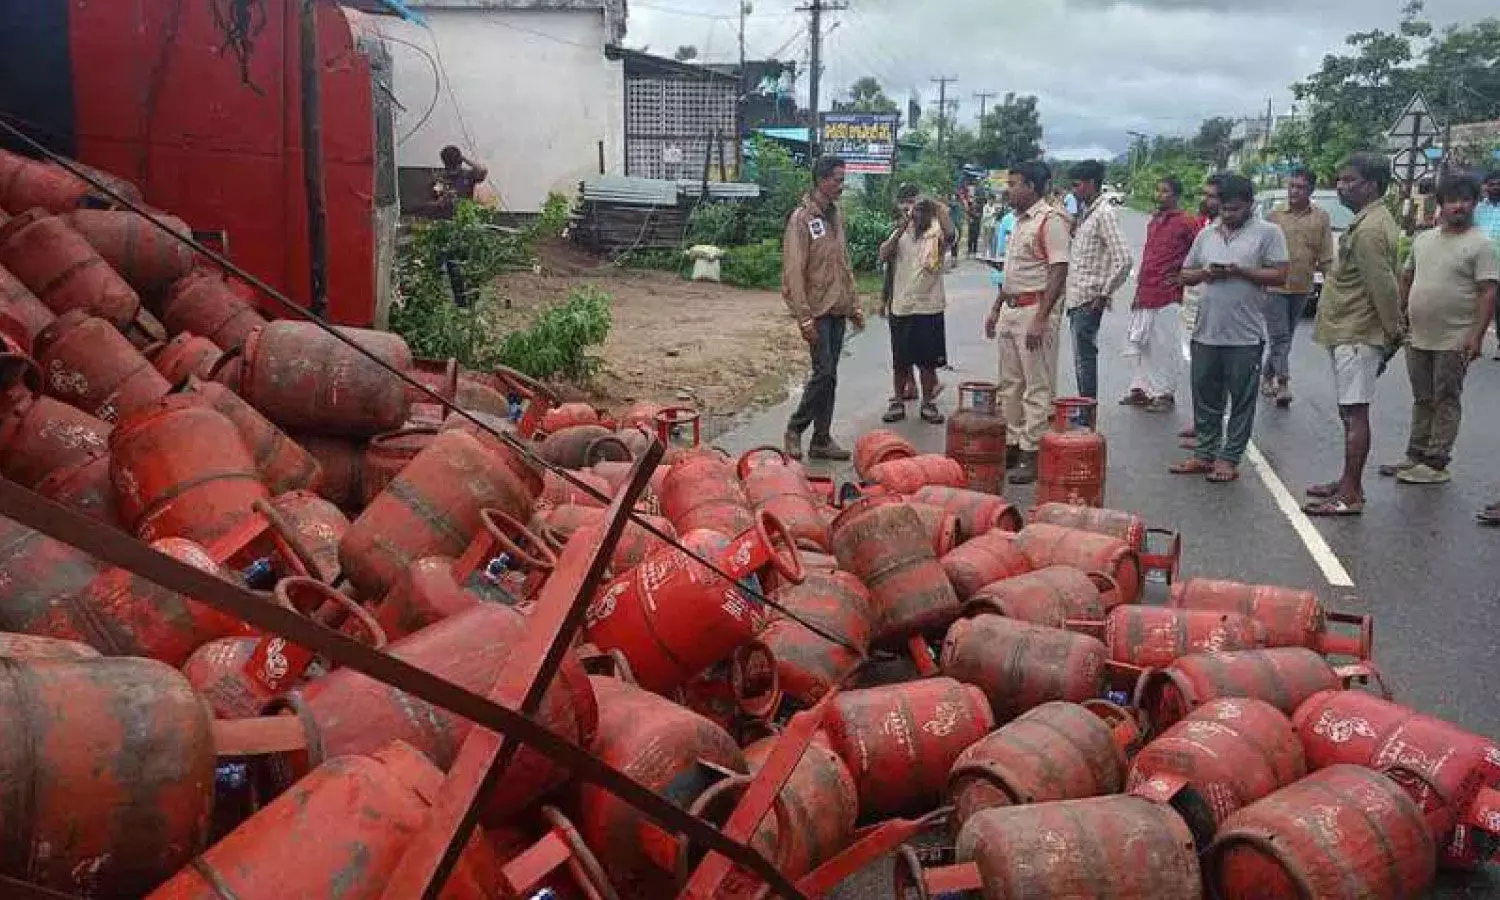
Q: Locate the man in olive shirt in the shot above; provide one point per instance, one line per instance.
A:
(1359, 321)
(1448, 296)
(817, 283)
(1309, 240)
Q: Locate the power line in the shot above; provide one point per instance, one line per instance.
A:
(984, 97)
(942, 81)
(815, 62)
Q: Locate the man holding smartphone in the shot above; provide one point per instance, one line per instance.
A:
(1236, 261)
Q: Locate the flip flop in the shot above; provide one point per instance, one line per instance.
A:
(931, 414)
(1192, 466)
(894, 413)
(1224, 474)
(1324, 491)
(1334, 507)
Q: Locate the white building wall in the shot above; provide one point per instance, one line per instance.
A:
(527, 92)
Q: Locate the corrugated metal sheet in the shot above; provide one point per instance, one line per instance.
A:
(661, 192)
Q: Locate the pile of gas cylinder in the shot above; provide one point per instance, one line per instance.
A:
(1040, 694)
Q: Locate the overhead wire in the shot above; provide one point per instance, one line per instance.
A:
(437, 85)
(527, 453)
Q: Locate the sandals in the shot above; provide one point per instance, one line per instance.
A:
(1325, 491)
(1334, 507)
(1194, 466)
(895, 412)
(1224, 473)
(931, 414)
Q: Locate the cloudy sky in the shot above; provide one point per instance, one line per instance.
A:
(1100, 68)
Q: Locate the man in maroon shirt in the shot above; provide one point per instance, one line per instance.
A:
(1154, 336)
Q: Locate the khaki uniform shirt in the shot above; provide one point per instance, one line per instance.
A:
(817, 278)
(1309, 240)
(1448, 273)
(1361, 299)
(1042, 239)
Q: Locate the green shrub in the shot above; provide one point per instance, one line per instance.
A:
(783, 184)
(662, 259)
(720, 224)
(865, 230)
(559, 337)
(554, 218)
(754, 266)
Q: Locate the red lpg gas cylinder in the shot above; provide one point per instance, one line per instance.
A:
(1128, 527)
(1058, 751)
(907, 476)
(976, 437)
(26, 183)
(992, 557)
(338, 834)
(809, 665)
(26, 646)
(901, 740)
(672, 617)
(142, 253)
(86, 362)
(636, 543)
(1224, 756)
(822, 801)
(1153, 637)
(702, 491)
(568, 415)
(347, 712)
(880, 540)
(18, 302)
(1049, 597)
(580, 446)
(386, 455)
(1343, 832)
(1052, 545)
(341, 461)
(204, 303)
(879, 446)
(977, 513)
(304, 379)
(1292, 618)
(1021, 666)
(109, 766)
(1072, 458)
(1456, 771)
(283, 464)
(779, 486)
(39, 435)
(184, 355)
(63, 270)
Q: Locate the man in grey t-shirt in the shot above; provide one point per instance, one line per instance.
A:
(1235, 260)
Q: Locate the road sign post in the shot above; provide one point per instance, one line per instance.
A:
(1410, 138)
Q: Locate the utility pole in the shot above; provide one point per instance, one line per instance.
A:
(942, 81)
(739, 105)
(815, 61)
(984, 97)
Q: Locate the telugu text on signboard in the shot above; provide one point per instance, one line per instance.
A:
(865, 142)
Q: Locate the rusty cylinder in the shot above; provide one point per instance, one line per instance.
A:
(386, 455)
(1020, 666)
(1119, 847)
(346, 712)
(702, 492)
(636, 543)
(1224, 756)
(184, 355)
(27, 183)
(809, 665)
(1052, 545)
(879, 446)
(900, 741)
(568, 415)
(203, 303)
(780, 488)
(283, 465)
(64, 270)
(304, 379)
(976, 437)
(109, 766)
(822, 801)
(581, 446)
(941, 525)
(40, 435)
(1058, 751)
(880, 540)
(181, 470)
(142, 253)
(85, 361)
(907, 476)
(1048, 597)
(1154, 637)
(1345, 833)
(977, 513)
(1292, 618)
(18, 302)
(433, 509)
(338, 834)
(40, 573)
(992, 557)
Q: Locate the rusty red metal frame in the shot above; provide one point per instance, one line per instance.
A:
(119, 549)
(871, 845)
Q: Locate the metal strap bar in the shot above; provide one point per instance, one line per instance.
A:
(119, 549)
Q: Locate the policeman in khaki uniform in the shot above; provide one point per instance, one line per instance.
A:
(1025, 316)
(817, 283)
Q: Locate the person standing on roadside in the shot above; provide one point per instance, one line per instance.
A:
(817, 283)
(1099, 264)
(1309, 240)
(1487, 217)
(1208, 214)
(918, 333)
(1154, 336)
(1448, 297)
(957, 213)
(1036, 273)
(976, 221)
(1359, 321)
(1236, 261)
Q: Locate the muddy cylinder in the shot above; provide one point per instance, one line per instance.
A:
(992, 557)
(1053, 545)
(881, 541)
(879, 446)
(41, 435)
(907, 476)
(977, 513)
(809, 665)
(702, 491)
(283, 464)
(1283, 677)
(203, 303)
(184, 355)
(1021, 666)
(821, 800)
(1049, 597)
(64, 270)
(144, 255)
(85, 361)
(304, 379)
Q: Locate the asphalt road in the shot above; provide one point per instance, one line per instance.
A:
(1416, 560)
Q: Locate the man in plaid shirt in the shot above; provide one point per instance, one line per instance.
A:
(1099, 264)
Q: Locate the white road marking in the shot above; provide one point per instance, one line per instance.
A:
(1322, 554)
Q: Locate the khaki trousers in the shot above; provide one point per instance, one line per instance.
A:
(1027, 377)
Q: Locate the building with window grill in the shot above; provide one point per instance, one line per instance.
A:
(679, 118)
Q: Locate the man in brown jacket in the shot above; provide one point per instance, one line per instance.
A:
(817, 282)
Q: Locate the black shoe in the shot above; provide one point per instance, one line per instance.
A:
(1025, 472)
(829, 452)
(1012, 456)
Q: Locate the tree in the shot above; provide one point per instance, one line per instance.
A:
(867, 96)
(1214, 141)
(1012, 133)
(686, 53)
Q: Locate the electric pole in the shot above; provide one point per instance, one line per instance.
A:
(815, 61)
(942, 81)
(984, 97)
(739, 105)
